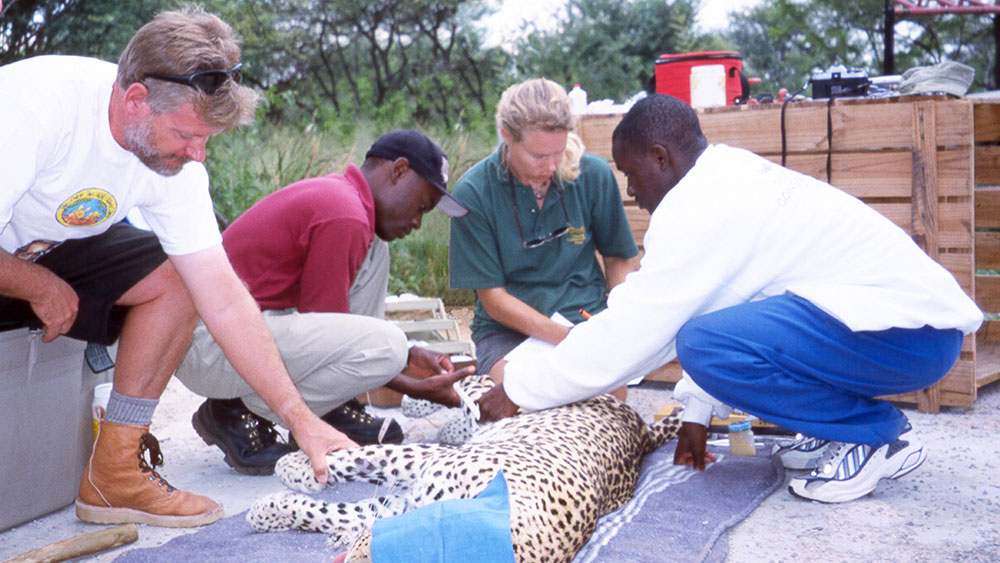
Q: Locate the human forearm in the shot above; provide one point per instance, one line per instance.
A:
(52, 299)
(246, 342)
(616, 268)
(235, 322)
(518, 315)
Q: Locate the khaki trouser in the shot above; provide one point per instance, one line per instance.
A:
(331, 357)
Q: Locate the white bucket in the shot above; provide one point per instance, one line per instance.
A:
(708, 86)
(99, 406)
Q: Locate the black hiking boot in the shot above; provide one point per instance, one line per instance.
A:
(352, 419)
(251, 443)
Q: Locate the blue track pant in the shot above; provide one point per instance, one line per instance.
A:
(789, 363)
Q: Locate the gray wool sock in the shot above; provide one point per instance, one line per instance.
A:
(135, 411)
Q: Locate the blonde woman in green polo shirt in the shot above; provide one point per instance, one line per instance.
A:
(539, 209)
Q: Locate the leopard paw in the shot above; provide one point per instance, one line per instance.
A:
(296, 472)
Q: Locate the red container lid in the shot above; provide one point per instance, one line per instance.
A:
(704, 55)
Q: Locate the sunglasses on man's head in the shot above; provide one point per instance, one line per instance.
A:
(207, 81)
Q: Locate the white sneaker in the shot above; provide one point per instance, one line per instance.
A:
(850, 471)
(802, 452)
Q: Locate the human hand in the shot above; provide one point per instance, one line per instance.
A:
(496, 405)
(56, 304)
(691, 450)
(423, 363)
(317, 438)
(439, 388)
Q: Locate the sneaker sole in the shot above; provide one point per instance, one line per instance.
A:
(207, 437)
(859, 487)
(110, 515)
(799, 459)
(798, 462)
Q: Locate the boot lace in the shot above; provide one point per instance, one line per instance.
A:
(149, 444)
(260, 432)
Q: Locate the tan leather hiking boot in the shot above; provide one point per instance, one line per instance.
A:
(119, 486)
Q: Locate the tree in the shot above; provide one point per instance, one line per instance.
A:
(786, 41)
(383, 57)
(96, 28)
(611, 46)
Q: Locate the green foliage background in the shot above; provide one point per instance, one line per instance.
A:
(334, 74)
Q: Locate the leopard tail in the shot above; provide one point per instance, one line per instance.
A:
(665, 429)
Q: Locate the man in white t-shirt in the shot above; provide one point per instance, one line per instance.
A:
(779, 294)
(83, 142)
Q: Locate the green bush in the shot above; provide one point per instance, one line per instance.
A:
(248, 164)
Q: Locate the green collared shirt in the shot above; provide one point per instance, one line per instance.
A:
(561, 275)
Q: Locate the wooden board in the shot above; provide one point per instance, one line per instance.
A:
(670, 373)
(988, 353)
(986, 118)
(987, 207)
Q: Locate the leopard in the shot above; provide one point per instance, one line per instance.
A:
(565, 467)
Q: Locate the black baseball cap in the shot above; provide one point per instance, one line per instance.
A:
(425, 158)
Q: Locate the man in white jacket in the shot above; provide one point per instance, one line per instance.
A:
(779, 294)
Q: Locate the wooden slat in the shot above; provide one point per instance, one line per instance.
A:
(954, 168)
(955, 225)
(960, 266)
(957, 389)
(988, 250)
(887, 126)
(988, 293)
(924, 210)
(886, 173)
(987, 207)
(758, 128)
(987, 164)
(638, 220)
(622, 185)
(988, 354)
(670, 373)
(986, 120)
(988, 335)
(596, 130)
(953, 221)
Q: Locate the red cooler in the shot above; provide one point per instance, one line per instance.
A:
(673, 73)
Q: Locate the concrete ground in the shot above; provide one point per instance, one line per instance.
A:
(947, 510)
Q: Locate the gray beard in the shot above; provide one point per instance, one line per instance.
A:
(139, 141)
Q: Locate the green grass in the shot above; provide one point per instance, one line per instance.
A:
(246, 165)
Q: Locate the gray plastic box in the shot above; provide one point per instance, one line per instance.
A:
(46, 432)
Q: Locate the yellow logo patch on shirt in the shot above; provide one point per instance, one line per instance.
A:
(86, 208)
(577, 235)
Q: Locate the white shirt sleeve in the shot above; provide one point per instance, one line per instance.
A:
(699, 406)
(636, 334)
(21, 147)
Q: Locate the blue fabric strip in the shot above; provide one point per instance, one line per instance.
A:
(450, 531)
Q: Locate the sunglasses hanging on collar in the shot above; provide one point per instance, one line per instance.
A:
(536, 242)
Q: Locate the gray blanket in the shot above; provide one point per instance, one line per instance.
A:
(676, 515)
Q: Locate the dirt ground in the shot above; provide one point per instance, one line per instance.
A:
(947, 510)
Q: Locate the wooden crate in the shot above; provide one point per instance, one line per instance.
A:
(929, 164)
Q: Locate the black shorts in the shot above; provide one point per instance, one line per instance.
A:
(493, 346)
(100, 269)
